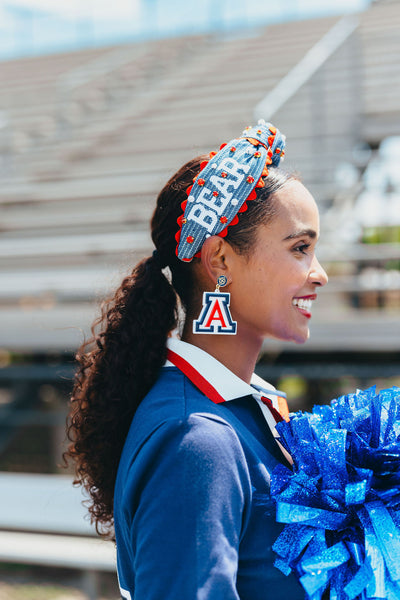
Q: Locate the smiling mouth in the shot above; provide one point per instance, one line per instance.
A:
(304, 304)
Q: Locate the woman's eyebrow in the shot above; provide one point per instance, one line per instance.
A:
(304, 232)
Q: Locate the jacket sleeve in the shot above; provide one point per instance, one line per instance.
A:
(190, 511)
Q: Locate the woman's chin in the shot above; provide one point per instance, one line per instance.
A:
(300, 337)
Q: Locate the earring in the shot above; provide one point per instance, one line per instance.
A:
(215, 316)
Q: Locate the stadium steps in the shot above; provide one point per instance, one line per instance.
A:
(75, 209)
(379, 36)
(211, 61)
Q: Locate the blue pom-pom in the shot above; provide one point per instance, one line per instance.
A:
(341, 502)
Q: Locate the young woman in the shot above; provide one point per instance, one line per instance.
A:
(172, 434)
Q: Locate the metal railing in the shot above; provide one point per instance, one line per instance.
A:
(306, 68)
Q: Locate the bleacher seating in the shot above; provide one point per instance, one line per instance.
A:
(42, 522)
(91, 136)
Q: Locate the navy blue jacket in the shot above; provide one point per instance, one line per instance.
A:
(193, 516)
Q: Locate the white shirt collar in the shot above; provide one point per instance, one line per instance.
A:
(227, 384)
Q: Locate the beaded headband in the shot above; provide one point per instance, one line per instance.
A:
(225, 184)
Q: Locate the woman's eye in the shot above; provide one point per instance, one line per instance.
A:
(302, 248)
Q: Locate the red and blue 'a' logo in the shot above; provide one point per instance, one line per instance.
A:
(215, 316)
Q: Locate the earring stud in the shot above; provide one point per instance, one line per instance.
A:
(221, 282)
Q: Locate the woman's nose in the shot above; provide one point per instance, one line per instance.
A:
(318, 274)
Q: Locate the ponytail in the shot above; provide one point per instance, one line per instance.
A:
(117, 367)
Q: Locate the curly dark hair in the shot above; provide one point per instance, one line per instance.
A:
(122, 360)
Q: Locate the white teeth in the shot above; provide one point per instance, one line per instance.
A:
(302, 303)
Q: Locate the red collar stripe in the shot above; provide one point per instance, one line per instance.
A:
(198, 380)
(277, 416)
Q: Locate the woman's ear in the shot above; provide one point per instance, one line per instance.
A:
(215, 258)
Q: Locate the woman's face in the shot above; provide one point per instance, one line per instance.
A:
(273, 289)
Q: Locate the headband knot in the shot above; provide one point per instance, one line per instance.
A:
(224, 185)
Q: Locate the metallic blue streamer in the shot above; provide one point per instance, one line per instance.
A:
(313, 584)
(333, 457)
(355, 492)
(387, 535)
(283, 565)
(359, 582)
(393, 591)
(342, 502)
(317, 517)
(292, 540)
(327, 559)
(376, 587)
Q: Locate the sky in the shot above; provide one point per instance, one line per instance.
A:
(39, 26)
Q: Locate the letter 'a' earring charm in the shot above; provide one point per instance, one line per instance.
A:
(215, 316)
